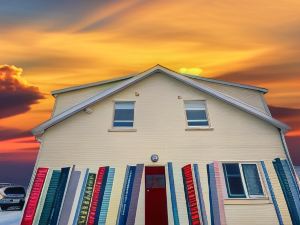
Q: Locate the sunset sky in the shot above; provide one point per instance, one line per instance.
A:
(47, 45)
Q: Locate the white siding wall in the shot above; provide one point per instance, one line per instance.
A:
(84, 140)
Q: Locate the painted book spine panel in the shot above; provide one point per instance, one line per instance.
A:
(106, 197)
(50, 197)
(34, 196)
(85, 206)
(173, 194)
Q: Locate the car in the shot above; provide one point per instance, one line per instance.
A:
(12, 197)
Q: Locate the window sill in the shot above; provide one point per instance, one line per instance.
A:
(198, 128)
(115, 129)
(247, 201)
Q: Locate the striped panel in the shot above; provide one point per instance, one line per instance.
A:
(135, 194)
(50, 197)
(34, 197)
(126, 196)
(79, 195)
(173, 194)
(96, 200)
(216, 196)
(106, 197)
(116, 193)
(59, 195)
(69, 199)
(180, 195)
(272, 192)
(200, 195)
(285, 214)
(289, 188)
(42, 198)
(220, 188)
(85, 206)
(190, 195)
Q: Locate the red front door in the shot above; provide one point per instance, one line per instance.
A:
(156, 212)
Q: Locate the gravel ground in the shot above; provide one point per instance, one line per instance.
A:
(10, 217)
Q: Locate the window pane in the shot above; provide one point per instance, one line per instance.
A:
(252, 179)
(234, 182)
(197, 123)
(194, 104)
(123, 124)
(124, 114)
(196, 115)
(155, 181)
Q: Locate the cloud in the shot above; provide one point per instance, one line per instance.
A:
(8, 133)
(16, 95)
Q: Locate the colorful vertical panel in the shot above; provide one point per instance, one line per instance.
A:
(106, 197)
(215, 194)
(135, 194)
(69, 198)
(50, 197)
(190, 195)
(96, 201)
(272, 193)
(87, 197)
(126, 196)
(173, 194)
(200, 195)
(81, 191)
(34, 196)
(59, 195)
(289, 188)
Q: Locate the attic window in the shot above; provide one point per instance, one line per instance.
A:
(124, 114)
(196, 114)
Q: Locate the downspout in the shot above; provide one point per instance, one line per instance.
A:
(290, 162)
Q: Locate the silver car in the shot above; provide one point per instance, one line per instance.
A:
(11, 196)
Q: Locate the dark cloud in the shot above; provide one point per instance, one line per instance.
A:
(16, 95)
(293, 143)
(291, 116)
(9, 133)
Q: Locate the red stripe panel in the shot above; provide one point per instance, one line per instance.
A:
(94, 204)
(34, 196)
(191, 194)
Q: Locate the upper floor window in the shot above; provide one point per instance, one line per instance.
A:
(124, 114)
(196, 114)
(243, 180)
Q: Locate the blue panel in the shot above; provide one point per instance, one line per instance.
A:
(173, 194)
(106, 197)
(200, 195)
(126, 196)
(272, 193)
(60, 192)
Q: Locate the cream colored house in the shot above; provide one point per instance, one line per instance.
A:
(162, 148)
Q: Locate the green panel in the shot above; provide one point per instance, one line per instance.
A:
(88, 193)
(44, 219)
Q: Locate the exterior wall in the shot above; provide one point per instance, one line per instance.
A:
(85, 140)
(251, 97)
(65, 100)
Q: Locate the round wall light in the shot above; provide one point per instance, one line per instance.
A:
(154, 158)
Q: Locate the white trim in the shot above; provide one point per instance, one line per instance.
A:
(74, 88)
(119, 87)
(255, 88)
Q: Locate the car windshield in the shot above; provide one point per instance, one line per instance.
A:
(15, 190)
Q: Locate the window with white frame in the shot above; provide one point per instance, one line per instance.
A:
(124, 114)
(243, 180)
(196, 113)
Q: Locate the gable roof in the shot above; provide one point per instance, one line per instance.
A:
(98, 83)
(158, 68)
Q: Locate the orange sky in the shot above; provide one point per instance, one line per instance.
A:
(59, 44)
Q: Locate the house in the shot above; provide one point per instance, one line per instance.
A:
(161, 148)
